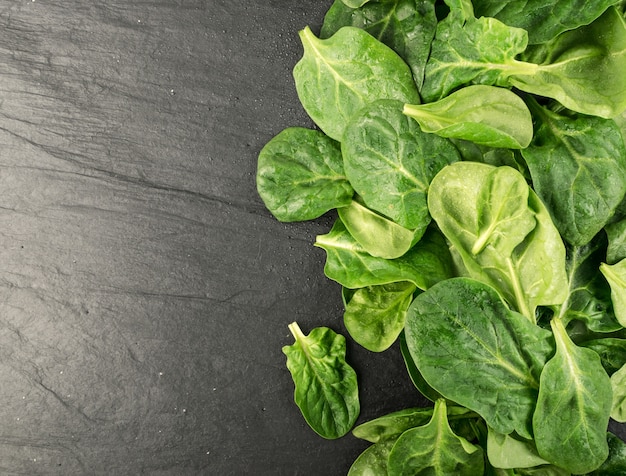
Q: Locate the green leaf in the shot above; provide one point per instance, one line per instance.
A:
(615, 274)
(350, 265)
(573, 407)
(502, 233)
(378, 235)
(434, 449)
(582, 68)
(616, 233)
(406, 26)
(542, 19)
(618, 384)
(300, 175)
(578, 169)
(507, 452)
(486, 115)
(375, 315)
(326, 389)
(373, 461)
(615, 464)
(414, 373)
(612, 352)
(390, 162)
(338, 76)
(460, 329)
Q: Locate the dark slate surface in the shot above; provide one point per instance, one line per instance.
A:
(145, 291)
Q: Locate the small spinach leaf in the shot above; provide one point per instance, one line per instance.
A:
(390, 162)
(326, 389)
(616, 233)
(507, 452)
(486, 115)
(435, 449)
(338, 76)
(615, 274)
(618, 383)
(573, 407)
(300, 175)
(612, 352)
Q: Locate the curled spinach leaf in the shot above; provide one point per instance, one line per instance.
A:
(300, 175)
(326, 388)
(486, 115)
(339, 75)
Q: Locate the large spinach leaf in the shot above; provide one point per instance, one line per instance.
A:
(326, 389)
(578, 168)
(461, 328)
(347, 262)
(501, 232)
(300, 175)
(573, 407)
(339, 75)
(435, 449)
(390, 162)
(406, 26)
(485, 115)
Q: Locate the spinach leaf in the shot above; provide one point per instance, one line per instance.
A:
(347, 262)
(435, 449)
(486, 115)
(582, 68)
(618, 384)
(615, 464)
(406, 26)
(326, 389)
(542, 19)
(469, 50)
(502, 233)
(414, 373)
(339, 75)
(612, 352)
(390, 162)
(578, 168)
(461, 328)
(616, 233)
(378, 235)
(573, 407)
(375, 315)
(300, 175)
(373, 461)
(507, 452)
(615, 274)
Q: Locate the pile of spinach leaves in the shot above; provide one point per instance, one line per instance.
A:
(474, 153)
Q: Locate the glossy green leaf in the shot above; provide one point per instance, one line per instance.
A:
(300, 175)
(615, 464)
(435, 449)
(583, 69)
(507, 452)
(414, 373)
(615, 274)
(542, 19)
(390, 162)
(618, 384)
(378, 235)
(373, 461)
(375, 315)
(573, 407)
(578, 168)
(470, 50)
(612, 352)
(502, 233)
(326, 388)
(339, 75)
(461, 328)
(616, 233)
(406, 26)
(486, 115)
(347, 262)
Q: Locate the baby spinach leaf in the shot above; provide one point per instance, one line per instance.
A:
(542, 19)
(414, 374)
(501, 232)
(378, 235)
(469, 50)
(486, 115)
(616, 233)
(573, 407)
(581, 68)
(435, 449)
(578, 168)
(406, 26)
(375, 315)
(390, 162)
(615, 274)
(349, 264)
(326, 389)
(612, 352)
(507, 452)
(373, 461)
(300, 175)
(618, 384)
(339, 75)
(461, 328)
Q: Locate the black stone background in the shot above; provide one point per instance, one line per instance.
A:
(145, 291)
